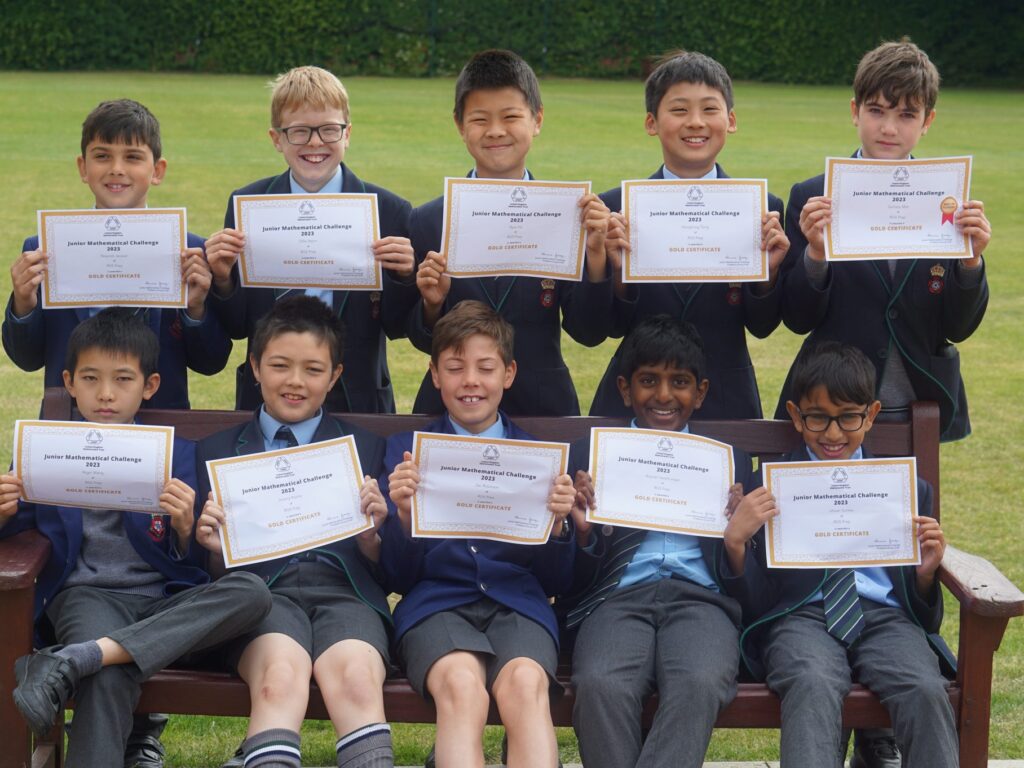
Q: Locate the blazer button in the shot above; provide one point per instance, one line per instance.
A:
(472, 548)
(483, 587)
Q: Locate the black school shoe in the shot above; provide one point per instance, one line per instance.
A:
(144, 752)
(237, 760)
(875, 749)
(45, 683)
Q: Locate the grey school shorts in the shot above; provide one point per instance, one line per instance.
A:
(485, 627)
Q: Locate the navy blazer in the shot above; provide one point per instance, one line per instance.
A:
(369, 316)
(437, 575)
(769, 594)
(919, 313)
(721, 313)
(152, 537)
(42, 340)
(537, 309)
(246, 439)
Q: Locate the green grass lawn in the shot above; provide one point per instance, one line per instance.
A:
(214, 132)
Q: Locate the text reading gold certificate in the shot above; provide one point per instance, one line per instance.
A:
(843, 514)
(479, 488)
(498, 227)
(660, 481)
(692, 231)
(896, 209)
(309, 241)
(279, 503)
(105, 257)
(93, 466)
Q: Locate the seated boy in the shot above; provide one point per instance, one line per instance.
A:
(311, 128)
(121, 159)
(690, 110)
(330, 619)
(498, 112)
(124, 593)
(475, 618)
(649, 607)
(817, 630)
(903, 314)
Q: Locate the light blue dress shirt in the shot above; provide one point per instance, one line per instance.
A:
(666, 173)
(332, 187)
(496, 430)
(303, 430)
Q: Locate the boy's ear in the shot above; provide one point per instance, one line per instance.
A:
(433, 375)
(510, 374)
(929, 119)
(651, 124)
(69, 382)
(335, 375)
(276, 138)
(794, 414)
(873, 410)
(539, 118)
(702, 392)
(623, 384)
(152, 385)
(159, 171)
(80, 161)
(732, 122)
(255, 365)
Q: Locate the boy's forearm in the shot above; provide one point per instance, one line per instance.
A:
(925, 583)
(737, 556)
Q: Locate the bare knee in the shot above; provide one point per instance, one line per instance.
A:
(458, 686)
(357, 682)
(521, 683)
(282, 682)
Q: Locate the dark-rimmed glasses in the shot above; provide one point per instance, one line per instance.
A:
(820, 422)
(329, 133)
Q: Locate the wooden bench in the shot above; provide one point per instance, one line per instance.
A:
(987, 599)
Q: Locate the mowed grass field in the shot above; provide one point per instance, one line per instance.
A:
(215, 139)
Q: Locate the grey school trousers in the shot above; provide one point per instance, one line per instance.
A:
(156, 631)
(670, 636)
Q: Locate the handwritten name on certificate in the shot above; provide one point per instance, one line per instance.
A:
(479, 488)
(93, 466)
(896, 209)
(691, 231)
(124, 257)
(660, 481)
(497, 227)
(309, 241)
(279, 503)
(843, 514)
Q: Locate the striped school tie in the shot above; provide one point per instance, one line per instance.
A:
(608, 578)
(843, 617)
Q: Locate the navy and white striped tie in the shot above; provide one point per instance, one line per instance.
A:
(843, 615)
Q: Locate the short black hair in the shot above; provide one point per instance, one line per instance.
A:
(299, 313)
(122, 120)
(686, 67)
(844, 371)
(662, 339)
(116, 331)
(494, 69)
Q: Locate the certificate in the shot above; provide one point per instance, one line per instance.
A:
(278, 503)
(497, 227)
(93, 466)
(309, 241)
(896, 209)
(843, 514)
(692, 231)
(660, 481)
(123, 257)
(478, 488)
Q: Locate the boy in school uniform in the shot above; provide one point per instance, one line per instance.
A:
(498, 112)
(649, 609)
(124, 594)
(311, 127)
(816, 630)
(330, 619)
(121, 159)
(690, 109)
(475, 617)
(904, 314)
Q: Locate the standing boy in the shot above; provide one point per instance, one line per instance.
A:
(690, 110)
(498, 112)
(475, 617)
(121, 159)
(124, 593)
(815, 630)
(311, 127)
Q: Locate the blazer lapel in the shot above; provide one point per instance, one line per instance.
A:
(250, 439)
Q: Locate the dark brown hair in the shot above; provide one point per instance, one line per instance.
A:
(124, 121)
(494, 69)
(897, 71)
(469, 318)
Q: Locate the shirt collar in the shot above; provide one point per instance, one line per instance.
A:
(712, 174)
(303, 430)
(526, 175)
(860, 154)
(332, 187)
(685, 430)
(496, 430)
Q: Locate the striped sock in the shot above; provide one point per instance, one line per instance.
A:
(273, 748)
(366, 747)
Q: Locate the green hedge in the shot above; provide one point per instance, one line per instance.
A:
(802, 41)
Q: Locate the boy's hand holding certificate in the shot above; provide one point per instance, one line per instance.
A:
(478, 488)
(843, 514)
(660, 481)
(98, 466)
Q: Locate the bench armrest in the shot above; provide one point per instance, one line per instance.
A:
(979, 586)
(22, 557)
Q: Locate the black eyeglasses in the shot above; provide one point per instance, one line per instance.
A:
(820, 422)
(330, 133)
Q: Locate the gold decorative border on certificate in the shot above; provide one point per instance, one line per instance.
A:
(629, 272)
(419, 438)
(84, 427)
(962, 193)
(214, 466)
(770, 469)
(372, 224)
(46, 220)
(595, 516)
(528, 269)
